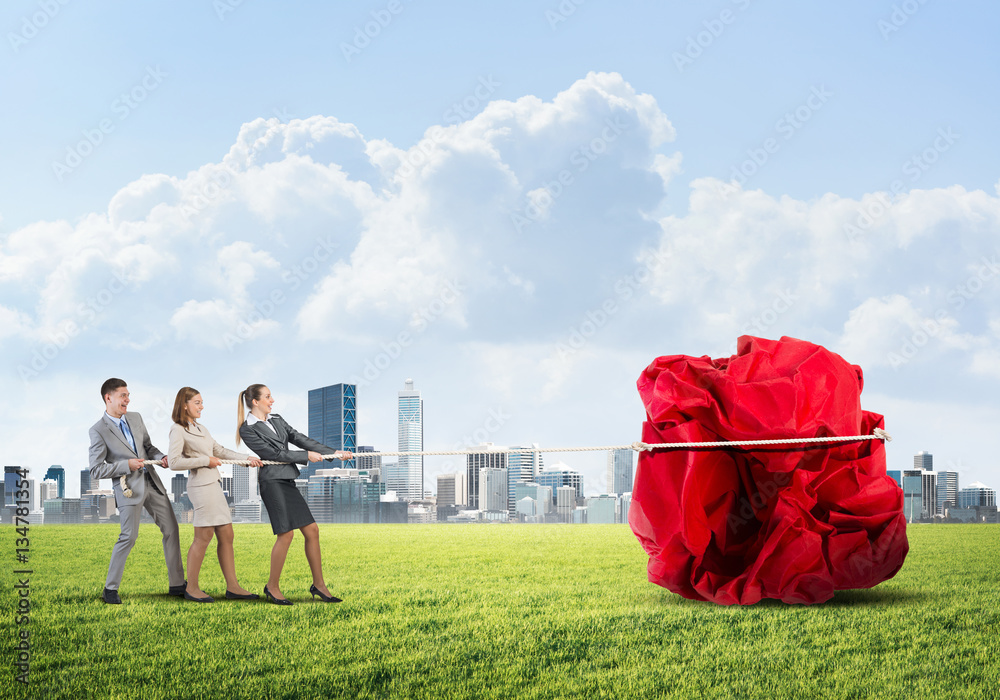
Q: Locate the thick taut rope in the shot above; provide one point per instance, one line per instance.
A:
(877, 434)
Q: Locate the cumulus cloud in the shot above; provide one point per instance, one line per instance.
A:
(744, 261)
(890, 331)
(522, 254)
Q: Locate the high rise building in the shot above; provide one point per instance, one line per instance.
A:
(897, 476)
(977, 494)
(603, 509)
(486, 456)
(333, 420)
(924, 461)
(947, 491)
(930, 494)
(526, 510)
(245, 487)
(178, 486)
(913, 494)
(344, 495)
(619, 471)
(411, 439)
(493, 489)
(11, 475)
(63, 511)
(452, 489)
(559, 474)
(226, 483)
(365, 462)
(395, 479)
(539, 496)
(565, 503)
(58, 474)
(47, 491)
(85, 482)
(523, 462)
(32, 496)
(624, 505)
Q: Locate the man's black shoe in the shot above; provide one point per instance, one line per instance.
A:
(178, 590)
(110, 596)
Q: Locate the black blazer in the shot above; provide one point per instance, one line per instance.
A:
(262, 440)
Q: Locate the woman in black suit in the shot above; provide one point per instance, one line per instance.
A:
(269, 436)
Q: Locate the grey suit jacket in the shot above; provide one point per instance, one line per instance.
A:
(110, 453)
(268, 445)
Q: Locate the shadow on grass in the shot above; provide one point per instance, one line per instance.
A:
(841, 599)
(877, 596)
(126, 597)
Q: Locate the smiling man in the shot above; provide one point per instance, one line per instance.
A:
(118, 445)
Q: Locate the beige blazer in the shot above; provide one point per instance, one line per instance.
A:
(191, 448)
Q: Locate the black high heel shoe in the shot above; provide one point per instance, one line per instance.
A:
(241, 596)
(325, 598)
(276, 601)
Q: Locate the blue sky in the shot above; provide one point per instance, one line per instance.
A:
(214, 194)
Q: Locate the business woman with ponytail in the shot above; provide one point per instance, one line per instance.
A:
(268, 435)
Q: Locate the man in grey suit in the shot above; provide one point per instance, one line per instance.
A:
(118, 445)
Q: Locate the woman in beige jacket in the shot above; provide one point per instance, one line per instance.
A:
(193, 448)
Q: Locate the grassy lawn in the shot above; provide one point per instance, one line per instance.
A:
(481, 611)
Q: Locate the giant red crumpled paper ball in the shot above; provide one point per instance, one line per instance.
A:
(734, 525)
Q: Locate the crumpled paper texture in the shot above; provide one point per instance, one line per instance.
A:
(735, 525)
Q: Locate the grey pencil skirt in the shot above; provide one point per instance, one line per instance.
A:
(285, 506)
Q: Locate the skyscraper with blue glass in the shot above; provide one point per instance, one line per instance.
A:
(58, 475)
(333, 420)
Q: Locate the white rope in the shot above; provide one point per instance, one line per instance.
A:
(638, 446)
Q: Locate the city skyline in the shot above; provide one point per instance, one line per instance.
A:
(920, 460)
(552, 494)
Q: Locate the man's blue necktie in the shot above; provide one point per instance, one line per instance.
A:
(128, 434)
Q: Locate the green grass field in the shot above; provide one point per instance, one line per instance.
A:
(466, 611)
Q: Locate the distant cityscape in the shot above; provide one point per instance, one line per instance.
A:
(498, 485)
(930, 496)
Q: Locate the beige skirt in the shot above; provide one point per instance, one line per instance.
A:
(210, 506)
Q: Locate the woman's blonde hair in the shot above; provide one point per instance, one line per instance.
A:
(180, 414)
(247, 396)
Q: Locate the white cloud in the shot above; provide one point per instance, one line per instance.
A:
(332, 247)
(890, 331)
